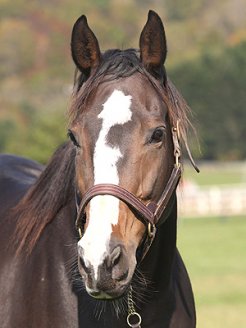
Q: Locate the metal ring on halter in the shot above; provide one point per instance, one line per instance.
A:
(177, 157)
(80, 232)
(137, 317)
(176, 145)
(151, 230)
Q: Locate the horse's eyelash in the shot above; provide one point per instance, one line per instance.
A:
(73, 138)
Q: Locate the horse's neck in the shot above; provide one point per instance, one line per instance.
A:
(159, 261)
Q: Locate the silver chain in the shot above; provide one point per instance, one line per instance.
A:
(133, 319)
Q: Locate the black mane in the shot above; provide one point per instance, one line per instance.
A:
(114, 64)
(52, 191)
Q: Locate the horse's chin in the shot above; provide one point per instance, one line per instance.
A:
(109, 295)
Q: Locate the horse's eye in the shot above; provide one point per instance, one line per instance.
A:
(73, 138)
(157, 135)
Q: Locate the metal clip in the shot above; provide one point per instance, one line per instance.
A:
(133, 319)
(176, 145)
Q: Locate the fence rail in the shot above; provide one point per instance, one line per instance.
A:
(227, 200)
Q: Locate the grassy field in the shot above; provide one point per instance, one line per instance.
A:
(214, 252)
(216, 173)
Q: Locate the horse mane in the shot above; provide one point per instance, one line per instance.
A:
(55, 186)
(44, 200)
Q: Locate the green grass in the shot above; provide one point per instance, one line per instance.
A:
(214, 254)
(217, 173)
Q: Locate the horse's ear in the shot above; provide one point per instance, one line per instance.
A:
(153, 47)
(84, 46)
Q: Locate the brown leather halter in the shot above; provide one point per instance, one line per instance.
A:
(151, 213)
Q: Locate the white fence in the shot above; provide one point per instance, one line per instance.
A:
(195, 201)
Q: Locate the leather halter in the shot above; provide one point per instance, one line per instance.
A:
(151, 213)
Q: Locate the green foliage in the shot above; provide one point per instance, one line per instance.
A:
(38, 138)
(7, 128)
(179, 9)
(36, 71)
(214, 86)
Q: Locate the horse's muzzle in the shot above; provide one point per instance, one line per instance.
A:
(111, 278)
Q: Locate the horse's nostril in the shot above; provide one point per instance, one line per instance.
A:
(83, 265)
(123, 276)
(115, 256)
(81, 260)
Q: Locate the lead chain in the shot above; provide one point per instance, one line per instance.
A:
(133, 319)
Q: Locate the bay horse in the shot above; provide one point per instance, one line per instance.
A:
(90, 240)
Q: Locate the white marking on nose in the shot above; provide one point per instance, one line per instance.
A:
(104, 210)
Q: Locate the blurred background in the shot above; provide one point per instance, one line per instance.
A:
(206, 61)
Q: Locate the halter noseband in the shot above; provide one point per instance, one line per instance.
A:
(151, 213)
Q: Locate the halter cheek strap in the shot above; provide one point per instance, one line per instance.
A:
(152, 214)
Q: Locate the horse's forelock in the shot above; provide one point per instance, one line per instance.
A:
(120, 64)
(115, 64)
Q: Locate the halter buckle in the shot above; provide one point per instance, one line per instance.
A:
(176, 144)
(80, 232)
(151, 230)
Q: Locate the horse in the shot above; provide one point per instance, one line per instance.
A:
(89, 240)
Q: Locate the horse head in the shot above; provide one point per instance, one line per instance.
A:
(120, 126)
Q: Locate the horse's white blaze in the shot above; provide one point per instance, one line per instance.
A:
(104, 210)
